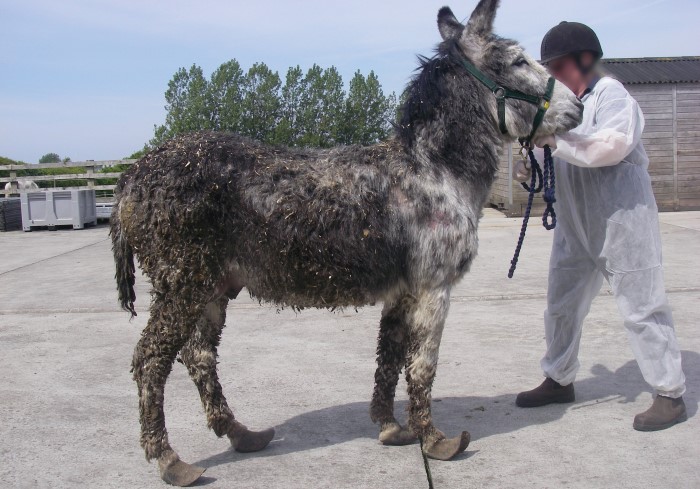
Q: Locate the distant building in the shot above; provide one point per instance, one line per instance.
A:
(668, 91)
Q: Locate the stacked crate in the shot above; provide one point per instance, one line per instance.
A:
(10, 214)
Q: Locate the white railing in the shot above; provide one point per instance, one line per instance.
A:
(89, 175)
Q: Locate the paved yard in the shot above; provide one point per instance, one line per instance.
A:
(68, 407)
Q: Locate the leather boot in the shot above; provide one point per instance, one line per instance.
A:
(549, 392)
(663, 413)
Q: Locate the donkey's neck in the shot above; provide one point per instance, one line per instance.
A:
(466, 143)
(447, 122)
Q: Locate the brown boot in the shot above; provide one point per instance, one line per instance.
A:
(548, 393)
(663, 413)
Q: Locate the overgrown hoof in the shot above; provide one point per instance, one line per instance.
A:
(446, 448)
(397, 435)
(176, 472)
(246, 441)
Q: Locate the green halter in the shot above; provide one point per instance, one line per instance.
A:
(503, 93)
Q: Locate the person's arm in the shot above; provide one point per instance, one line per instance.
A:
(619, 129)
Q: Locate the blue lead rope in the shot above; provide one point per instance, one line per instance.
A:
(542, 179)
(549, 197)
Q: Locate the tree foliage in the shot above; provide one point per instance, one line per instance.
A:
(261, 104)
(4, 160)
(309, 109)
(366, 110)
(50, 158)
(226, 92)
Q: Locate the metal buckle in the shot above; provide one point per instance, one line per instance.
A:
(499, 92)
(525, 147)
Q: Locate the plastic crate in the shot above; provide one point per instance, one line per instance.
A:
(10, 214)
(104, 210)
(58, 208)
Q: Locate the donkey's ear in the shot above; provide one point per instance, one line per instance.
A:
(481, 22)
(449, 26)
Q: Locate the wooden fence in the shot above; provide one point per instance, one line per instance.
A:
(89, 175)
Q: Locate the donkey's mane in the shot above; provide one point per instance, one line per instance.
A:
(426, 92)
(426, 89)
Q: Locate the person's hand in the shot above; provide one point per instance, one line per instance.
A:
(542, 141)
(522, 171)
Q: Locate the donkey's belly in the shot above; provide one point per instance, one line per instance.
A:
(331, 295)
(323, 280)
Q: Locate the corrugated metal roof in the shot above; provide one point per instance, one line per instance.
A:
(633, 71)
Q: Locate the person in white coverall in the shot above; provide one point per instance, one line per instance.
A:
(608, 229)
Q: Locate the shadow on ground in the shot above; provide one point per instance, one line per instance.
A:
(482, 416)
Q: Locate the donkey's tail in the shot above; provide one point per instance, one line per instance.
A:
(124, 261)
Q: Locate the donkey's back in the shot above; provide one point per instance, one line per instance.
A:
(297, 227)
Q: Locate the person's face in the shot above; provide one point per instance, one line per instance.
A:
(566, 71)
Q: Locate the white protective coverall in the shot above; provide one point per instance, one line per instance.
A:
(608, 228)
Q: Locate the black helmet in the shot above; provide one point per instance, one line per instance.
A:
(569, 38)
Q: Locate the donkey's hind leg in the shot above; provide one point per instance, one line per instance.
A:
(426, 320)
(167, 331)
(391, 357)
(199, 356)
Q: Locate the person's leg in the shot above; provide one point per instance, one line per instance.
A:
(573, 282)
(641, 299)
(631, 258)
(570, 293)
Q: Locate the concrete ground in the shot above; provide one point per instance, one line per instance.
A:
(68, 407)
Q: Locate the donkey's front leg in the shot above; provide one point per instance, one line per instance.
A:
(426, 321)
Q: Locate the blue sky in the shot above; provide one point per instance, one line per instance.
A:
(85, 78)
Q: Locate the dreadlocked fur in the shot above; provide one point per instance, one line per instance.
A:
(207, 214)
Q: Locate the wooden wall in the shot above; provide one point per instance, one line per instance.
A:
(671, 138)
(506, 194)
(688, 145)
(502, 187)
(656, 102)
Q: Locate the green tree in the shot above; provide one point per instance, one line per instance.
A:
(321, 107)
(50, 158)
(399, 106)
(288, 131)
(226, 96)
(139, 154)
(368, 112)
(311, 109)
(187, 105)
(4, 160)
(333, 101)
(261, 103)
(309, 106)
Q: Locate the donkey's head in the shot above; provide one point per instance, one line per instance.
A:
(505, 63)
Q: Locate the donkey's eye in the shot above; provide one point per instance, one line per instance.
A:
(520, 62)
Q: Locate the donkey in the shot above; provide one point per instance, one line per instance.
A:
(207, 214)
